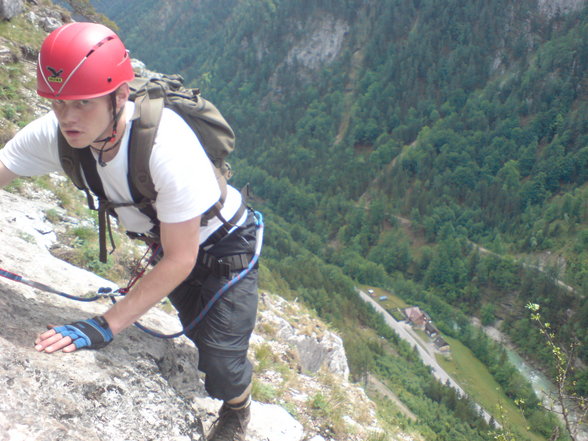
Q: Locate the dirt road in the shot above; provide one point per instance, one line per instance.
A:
(427, 354)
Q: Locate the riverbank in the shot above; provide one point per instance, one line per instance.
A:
(544, 388)
(542, 385)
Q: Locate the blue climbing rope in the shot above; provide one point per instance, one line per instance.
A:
(101, 293)
(220, 292)
(120, 292)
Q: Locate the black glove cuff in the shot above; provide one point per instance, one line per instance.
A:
(102, 322)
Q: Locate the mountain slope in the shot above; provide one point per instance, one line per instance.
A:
(470, 115)
(149, 381)
(84, 395)
(473, 104)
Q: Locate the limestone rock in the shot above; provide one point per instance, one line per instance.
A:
(138, 387)
(321, 44)
(291, 339)
(10, 9)
(47, 18)
(316, 347)
(276, 424)
(553, 8)
(6, 55)
(118, 393)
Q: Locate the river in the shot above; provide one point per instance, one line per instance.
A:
(543, 386)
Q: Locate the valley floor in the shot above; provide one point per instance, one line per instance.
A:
(425, 349)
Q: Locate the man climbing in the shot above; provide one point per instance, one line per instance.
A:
(84, 70)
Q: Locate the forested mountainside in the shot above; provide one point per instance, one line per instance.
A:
(466, 119)
(436, 149)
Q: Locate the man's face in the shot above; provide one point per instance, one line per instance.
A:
(82, 122)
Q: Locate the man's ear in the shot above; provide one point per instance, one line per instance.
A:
(122, 95)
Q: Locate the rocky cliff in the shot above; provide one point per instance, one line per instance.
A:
(141, 387)
(553, 8)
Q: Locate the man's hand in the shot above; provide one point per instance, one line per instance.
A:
(91, 334)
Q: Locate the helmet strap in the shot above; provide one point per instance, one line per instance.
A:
(115, 117)
(102, 150)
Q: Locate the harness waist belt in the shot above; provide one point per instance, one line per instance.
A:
(223, 266)
(225, 228)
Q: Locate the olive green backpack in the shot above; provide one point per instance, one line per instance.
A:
(151, 95)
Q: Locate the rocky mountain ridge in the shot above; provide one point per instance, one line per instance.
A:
(552, 8)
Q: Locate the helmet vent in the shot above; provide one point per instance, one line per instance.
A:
(100, 43)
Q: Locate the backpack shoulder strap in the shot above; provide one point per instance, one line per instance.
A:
(148, 109)
(73, 161)
(70, 161)
(149, 106)
(216, 136)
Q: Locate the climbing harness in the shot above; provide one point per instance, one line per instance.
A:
(106, 292)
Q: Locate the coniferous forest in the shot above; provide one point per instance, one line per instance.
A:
(436, 149)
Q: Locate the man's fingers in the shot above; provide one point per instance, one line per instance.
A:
(50, 342)
(92, 333)
(70, 348)
(59, 345)
(47, 339)
(45, 335)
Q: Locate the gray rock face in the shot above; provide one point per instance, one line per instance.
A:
(117, 393)
(318, 351)
(321, 44)
(6, 55)
(10, 9)
(46, 18)
(137, 388)
(317, 348)
(552, 8)
(88, 395)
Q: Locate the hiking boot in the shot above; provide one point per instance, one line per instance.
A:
(231, 424)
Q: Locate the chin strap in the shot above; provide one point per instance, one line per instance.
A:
(115, 119)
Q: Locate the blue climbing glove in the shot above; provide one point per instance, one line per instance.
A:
(93, 333)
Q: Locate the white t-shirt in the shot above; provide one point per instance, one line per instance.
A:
(182, 173)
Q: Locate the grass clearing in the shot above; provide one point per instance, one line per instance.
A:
(475, 379)
(393, 301)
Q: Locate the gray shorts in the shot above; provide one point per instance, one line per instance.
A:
(222, 337)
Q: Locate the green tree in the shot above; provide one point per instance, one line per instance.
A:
(564, 362)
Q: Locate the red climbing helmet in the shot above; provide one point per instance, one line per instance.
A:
(82, 61)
